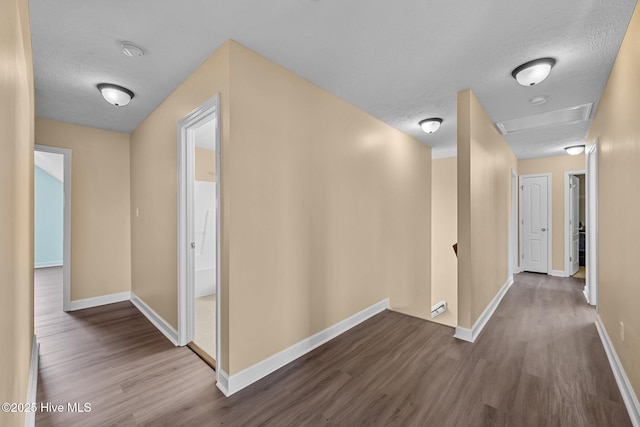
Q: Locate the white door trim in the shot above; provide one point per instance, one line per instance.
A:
(66, 240)
(549, 219)
(591, 282)
(514, 259)
(186, 168)
(567, 228)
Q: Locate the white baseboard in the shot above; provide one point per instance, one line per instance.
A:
(234, 383)
(471, 335)
(47, 264)
(32, 388)
(223, 382)
(585, 291)
(628, 395)
(156, 319)
(98, 301)
(558, 273)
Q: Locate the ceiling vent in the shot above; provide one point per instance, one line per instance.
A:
(566, 116)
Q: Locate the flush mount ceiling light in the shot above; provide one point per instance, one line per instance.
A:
(574, 150)
(430, 125)
(533, 72)
(115, 95)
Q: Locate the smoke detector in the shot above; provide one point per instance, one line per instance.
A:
(131, 49)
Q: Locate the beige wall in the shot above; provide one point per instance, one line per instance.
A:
(444, 233)
(330, 208)
(154, 193)
(318, 222)
(485, 162)
(556, 166)
(205, 164)
(100, 206)
(16, 209)
(617, 126)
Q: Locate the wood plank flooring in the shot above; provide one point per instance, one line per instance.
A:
(539, 362)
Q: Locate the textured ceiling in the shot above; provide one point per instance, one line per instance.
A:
(401, 61)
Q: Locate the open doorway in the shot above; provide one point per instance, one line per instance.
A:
(199, 231)
(575, 224)
(52, 225)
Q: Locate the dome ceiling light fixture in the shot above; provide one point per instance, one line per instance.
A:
(574, 150)
(533, 72)
(115, 95)
(430, 125)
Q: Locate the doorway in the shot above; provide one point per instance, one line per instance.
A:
(199, 231)
(535, 227)
(575, 223)
(52, 217)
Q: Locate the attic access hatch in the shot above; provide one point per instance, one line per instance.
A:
(566, 116)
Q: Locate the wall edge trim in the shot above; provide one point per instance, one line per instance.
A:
(98, 301)
(626, 390)
(265, 367)
(32, 388)
(472, 334)
(157, 320)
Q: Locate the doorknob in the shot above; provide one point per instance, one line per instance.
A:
(544, 229)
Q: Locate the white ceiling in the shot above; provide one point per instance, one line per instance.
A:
(401, 61)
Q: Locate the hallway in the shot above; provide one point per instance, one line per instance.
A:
(538, 362)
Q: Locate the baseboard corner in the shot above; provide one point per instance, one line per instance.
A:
(236, 382)
(157, 320)
(626, 389)
(464, 334)
(470, 335)
(223, 382)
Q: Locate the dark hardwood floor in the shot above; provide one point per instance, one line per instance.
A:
(539, 362)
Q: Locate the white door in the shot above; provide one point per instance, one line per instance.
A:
(534, 223)
(574, 194)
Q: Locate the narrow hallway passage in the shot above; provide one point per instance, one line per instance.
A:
(539, 362)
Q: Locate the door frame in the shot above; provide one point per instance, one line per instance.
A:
(567, 208)
(186, 257)
(514, 250)
(549, 219)
(66, 239)
(591, 288)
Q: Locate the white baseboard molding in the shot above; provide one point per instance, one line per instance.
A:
(32, 388)
(471, 335)
(234, 383)
(628, 394)
(585, 292)
(156, 319)
(98, 301)
(558, 273)
(223, 382)
(47, 264)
